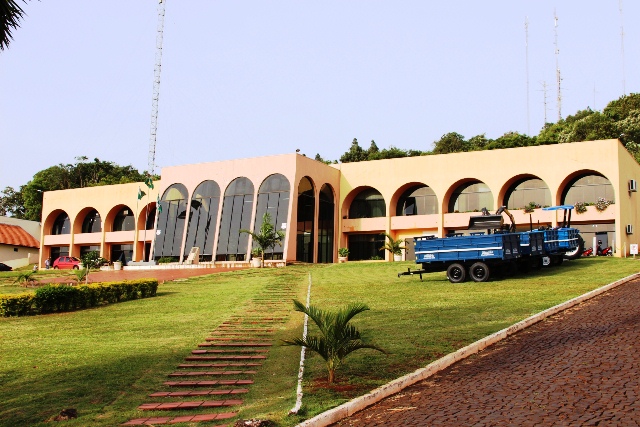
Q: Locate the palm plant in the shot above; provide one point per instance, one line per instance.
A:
(10, 15)
(82, 274)
(26, 279)
(338, 338)
(392, 245)
(268, 237)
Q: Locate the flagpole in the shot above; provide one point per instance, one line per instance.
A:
(137, 205)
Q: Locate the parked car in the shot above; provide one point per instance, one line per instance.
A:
(5, 267)
(66, 263)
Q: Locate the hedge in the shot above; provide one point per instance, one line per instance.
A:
(54, 298)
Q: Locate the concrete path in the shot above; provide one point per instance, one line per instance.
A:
(578, 368)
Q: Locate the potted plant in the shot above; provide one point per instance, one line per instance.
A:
(267, 237)
(256, 257)
(343, 254)
(393, 246)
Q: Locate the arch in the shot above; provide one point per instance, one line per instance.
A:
(172, 213)
(469, 195)
(203, 217)
(367, 203)
(147, 217)
(521, 190)
(305, 217)
(61, 225)
(414, 199)
(273, 198)
(91, 221)
(123, 220)
(326, 223)
(237, 207)
(586, 186)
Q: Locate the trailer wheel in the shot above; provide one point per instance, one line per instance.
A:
(479, 272)
(456, 273)
(577, 253)
(546, 261)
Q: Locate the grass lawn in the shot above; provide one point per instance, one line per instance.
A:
(104, 362)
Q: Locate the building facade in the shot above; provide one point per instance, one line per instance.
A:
(323, 207)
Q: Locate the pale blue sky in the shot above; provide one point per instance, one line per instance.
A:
(253, 78)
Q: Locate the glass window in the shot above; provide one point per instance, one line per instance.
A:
(237, 206)
(366, 246)
(122, 253)
(92, 223)
(527, 191)
(58, 251)
(86, 249)
(124, 220)
(151, 218)
(420, 200)
(588, 189)
(326, 213)
(203, 215)
(304, 230)
(368, 203)
(273, 198)
(471, 197)
(171, 222)
(61, 225)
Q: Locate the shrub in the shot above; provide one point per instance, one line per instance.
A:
(16, 305)
(602, 204)
(580, 207)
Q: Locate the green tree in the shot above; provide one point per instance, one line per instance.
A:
(622, 107)
(392, 245)
(355, 153)
(11, 203)
(451, 142)
(10, 15)
(338, 338)
(268, 237)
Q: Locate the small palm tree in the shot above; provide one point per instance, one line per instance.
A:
(10, 15)
(26, 279)
(268, 237)
(82, 275)
(338, 338)
(392, 245)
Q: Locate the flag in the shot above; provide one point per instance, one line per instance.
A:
(141, 193)
(148, 182)
(159, 206)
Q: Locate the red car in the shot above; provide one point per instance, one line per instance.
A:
(66, 262)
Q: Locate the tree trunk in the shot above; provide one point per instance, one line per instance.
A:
(331, 375)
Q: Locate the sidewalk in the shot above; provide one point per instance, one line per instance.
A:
(162, 275)
(579, 368)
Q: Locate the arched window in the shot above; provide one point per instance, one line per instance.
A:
(588, 189)
(471, 197)
(124, 220)
(173, 212)
(369, 203)
(61, 225)
(326, 224)
(419, 200)
(531, 190)
(236, 215)
(306, 212)
(201, 229)
(273, 198)
(151, 218)
(92, 223)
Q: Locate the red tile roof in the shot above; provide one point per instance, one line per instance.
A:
(15, 235)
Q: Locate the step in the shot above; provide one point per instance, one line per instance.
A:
(198, 393)
(206, 383)
(236, 338)
(216, 365)
(173, 406)
(236, 344)
(182, 419)
(193, 358)
(228, 351)
(210, 373)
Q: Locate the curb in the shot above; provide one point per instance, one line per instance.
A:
(359, 403)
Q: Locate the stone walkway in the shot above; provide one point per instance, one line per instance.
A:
(222, 368)
(578, 368)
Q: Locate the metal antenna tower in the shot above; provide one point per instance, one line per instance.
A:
(526, 45)
(156, 88)
(624, 83)
(544, 91)
(558, 79)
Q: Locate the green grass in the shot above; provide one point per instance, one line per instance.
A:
(104, 362)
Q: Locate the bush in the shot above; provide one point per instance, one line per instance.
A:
(54, 298)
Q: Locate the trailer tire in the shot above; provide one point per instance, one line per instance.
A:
(456, 273)
(479, 272)
(577, 253)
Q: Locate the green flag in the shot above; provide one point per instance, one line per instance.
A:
(148, 182)
(159, 206)
(141, 193)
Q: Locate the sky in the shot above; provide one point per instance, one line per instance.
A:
(254, 78)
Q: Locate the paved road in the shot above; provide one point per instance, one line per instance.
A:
(578, 368)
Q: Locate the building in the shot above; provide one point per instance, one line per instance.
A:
(19, 245)
(323, 207)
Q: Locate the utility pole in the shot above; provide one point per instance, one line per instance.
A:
(558, 78)
(526, 45)
(624, 83)
(156, 88)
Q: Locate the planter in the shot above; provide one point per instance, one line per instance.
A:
(256, 262)
(117, 265)
(397, 257)
(342, 259)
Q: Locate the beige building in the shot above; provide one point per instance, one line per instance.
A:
(323, 207)
(19, 245)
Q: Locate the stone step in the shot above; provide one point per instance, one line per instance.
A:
(236, 339)
(194, 358)
(228, 351)
(210, 373)
(182, 419)
(176, 406)
(206, 383)
(236, 344)
(216, 365)
(198, 393)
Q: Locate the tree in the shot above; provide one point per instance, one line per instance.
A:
(11, 203)
(451, 142)
(392, 245)
(338, 338)
(10, 15)
(355, 153)
(268, 237)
